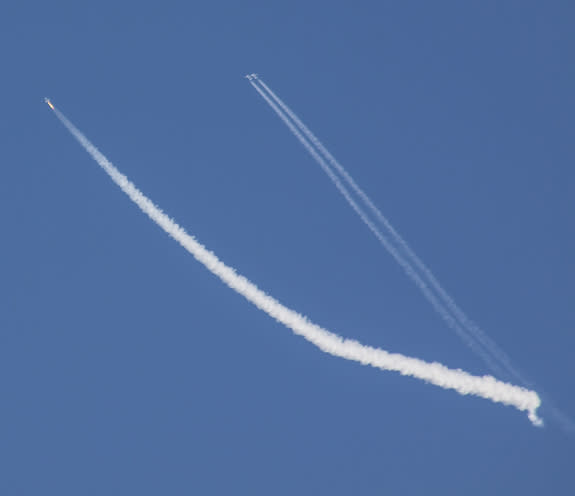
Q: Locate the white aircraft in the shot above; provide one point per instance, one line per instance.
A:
(251, 76)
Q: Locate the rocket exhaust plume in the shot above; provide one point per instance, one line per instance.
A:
(435, 373)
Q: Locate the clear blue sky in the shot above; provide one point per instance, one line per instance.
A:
(127, 368)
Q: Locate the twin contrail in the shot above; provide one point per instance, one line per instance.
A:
(435, 373)
(413, 266)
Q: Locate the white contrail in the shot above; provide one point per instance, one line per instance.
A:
(494, 355)
(396, 253)
(486, 387)
(472, 334)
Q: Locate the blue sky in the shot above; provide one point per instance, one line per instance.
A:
(126, 367)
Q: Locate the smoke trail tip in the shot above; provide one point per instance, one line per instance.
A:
(535, 420)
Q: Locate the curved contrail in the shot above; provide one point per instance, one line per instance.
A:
(435, 373)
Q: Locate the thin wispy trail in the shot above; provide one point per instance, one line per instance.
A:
(495, 358)
(494, 354)
(395, 252)
(486, 387)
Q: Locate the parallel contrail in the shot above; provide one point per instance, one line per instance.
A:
(470, 332)
(396, 252)
(486, 387)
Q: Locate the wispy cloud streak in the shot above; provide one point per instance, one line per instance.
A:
(435, 373)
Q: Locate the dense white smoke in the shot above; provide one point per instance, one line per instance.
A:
(435, 373)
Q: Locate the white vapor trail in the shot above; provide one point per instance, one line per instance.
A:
(468, 331)
(435, 373)
(395, 252)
